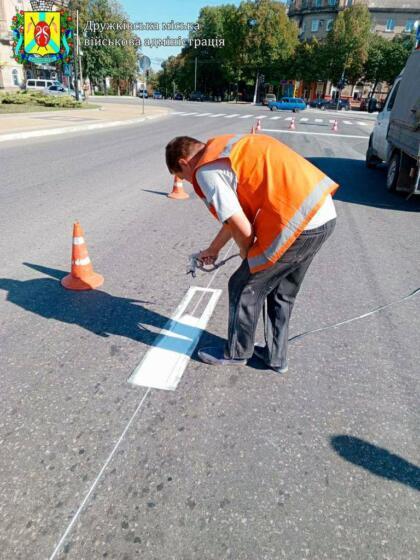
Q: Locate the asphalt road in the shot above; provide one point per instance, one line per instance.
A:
(240, 464)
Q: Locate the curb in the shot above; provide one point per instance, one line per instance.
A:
(76, 128)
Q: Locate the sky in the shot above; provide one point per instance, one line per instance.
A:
(185, 11)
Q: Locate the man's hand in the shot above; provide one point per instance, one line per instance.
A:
(208, 256)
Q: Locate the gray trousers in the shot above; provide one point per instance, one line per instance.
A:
(274, 290)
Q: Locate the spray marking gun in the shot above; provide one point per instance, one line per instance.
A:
(195, 263)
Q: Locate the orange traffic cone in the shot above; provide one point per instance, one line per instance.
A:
(178, 190)
(292, 124)
(335, 126)
(252, 130)
(258, 127)
(82, 276)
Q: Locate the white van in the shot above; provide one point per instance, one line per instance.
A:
(395, 138)
(40, 84)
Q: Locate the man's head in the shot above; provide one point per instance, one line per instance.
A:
(182, 155)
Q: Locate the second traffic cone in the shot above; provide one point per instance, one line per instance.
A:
(178, 190)
(258, 127)
(82, 276)
(252, 130)
(292, 125)
(335, 126)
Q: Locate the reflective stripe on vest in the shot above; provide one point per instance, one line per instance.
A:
(269, 254)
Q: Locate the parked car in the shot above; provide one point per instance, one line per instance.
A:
(157, 95)
(178, 97)
(142, 93)
(35, 84)
(60, 90)
(196, 96)
(324, 104)
(288, 103)
(268, 97)
(395, 138)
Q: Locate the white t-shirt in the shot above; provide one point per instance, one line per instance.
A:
(218, 182)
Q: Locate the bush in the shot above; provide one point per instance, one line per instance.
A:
(39, 98)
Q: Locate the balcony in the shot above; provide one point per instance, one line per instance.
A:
(302, 7)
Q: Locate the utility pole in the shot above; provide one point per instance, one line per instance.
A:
(256, 88)
(76, 89)
(79, 58)
(195, 75)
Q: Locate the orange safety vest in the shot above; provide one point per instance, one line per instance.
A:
(278, 190)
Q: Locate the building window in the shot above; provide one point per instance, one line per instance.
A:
(330, 23)
(332, 2)
(409, 26)
(15, 77)
(318, 3)
(390, 25)
(315, 25)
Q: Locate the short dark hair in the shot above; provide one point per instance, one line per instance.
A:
(179, 147)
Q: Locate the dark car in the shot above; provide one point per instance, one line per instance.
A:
(324, 104)
(197, 96)
(178, 97)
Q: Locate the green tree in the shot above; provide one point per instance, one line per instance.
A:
(347, 44)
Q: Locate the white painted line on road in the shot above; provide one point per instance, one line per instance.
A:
(319, 120)
(231, 116)
(261, 117)
(97, 479)
(163, 365)
(347, 122)
(202, 114)
(218, 115)
(245, 116)
(315, 133)
(361, 123)
(120, 439)
(288, 118)
(275, 118)
(303, 119)
(188, 114)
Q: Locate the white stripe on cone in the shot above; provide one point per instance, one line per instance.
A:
(78, 240)
(81, 262)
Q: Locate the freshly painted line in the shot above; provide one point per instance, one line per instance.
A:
(202, 114)
(319, 120)
(188, 114)
(97, 479)
(245, 116)
(163, 365)
(261, 117)
(288, 118)
(347, 122)
(231, 116)
(108, 460)
(218, 115)
(331, 121)
(275, 118)
(303, 119)
(361, 123)
(315, 133)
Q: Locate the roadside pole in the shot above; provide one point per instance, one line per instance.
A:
(144, 65)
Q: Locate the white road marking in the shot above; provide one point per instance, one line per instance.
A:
(218, 115)
(315, 133)
(275, 118)
(347, 122)
(163, 365)
(245, 116)
(288, 118)
(303, 119)
(361, 123)
(203, 114)
(319, 120)
(331, 121)
(261, 117)
(231, 116)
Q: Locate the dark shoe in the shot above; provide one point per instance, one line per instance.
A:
(261, 353)
(215, 356)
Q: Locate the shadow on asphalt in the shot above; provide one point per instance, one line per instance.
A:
(96, 311)
(377, 460)
(360, 185)
(156, 192)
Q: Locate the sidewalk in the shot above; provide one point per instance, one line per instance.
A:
(18, 126)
